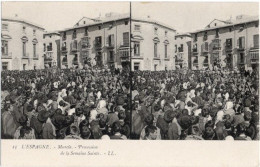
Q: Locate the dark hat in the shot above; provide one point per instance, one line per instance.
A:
(169, 115)
(247, 102)
(120, 100)
(43, 115)
(185, 122)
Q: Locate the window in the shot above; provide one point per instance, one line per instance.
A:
(4, 65)
(166, 32)
(84, 22)
(126, 22)
(24, 66)
(99, 27)
(74, 35)
(242, 58)
(165, 51)
(4, 47)
(111, 40)
(205, 36)
(155, 49)
(256, 24)
(34, 32)
(181, 48)
(98, 41)
(137, 28)
(44, 47)
(175, 48)
(155, 30)
(136, 66)
(34, 50)
(86, 31)
(64, 36)
(111, 55)
(49, 48)
(24, 49)
(137, 49)
(126, 38)
(230, 29)
(241, 42)
(256, 41)
(4, 26)
(215, 24)
(217, 33)
(50, 36)
(196, 37)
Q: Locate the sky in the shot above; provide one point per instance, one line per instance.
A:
(183, 16)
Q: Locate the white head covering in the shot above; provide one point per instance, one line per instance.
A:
(229, 138)
(93, 115)
(98, 94)
(71, 111)
(105, 137)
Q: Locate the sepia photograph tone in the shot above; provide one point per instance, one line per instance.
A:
(130, 71)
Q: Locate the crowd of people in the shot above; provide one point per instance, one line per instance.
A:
(141, 105)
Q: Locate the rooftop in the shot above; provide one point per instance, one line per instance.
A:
(115, 17)
(241, 19)
(16, 19)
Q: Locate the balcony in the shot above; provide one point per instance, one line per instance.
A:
(85, 43)
(228, 48)
(98, 45)
(180, 50)
(64, 38)
(6, 56)
(216, 48)
(64, 49)
(48, 57)
(49, 48)
(195, 50)
(75, 62)
(25, 56)
(241, 48)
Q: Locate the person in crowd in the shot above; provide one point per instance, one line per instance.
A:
(101, 103)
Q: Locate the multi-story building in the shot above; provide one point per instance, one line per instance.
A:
(232, 44)
(152, 45)
(183, 51)
(22, 47)
(51, 49)
(106, 41)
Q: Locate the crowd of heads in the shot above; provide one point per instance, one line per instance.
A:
(118, 104)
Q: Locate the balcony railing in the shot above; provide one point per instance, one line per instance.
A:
(98, 45)
(195, 50)
(6, 56)
(228, 47)
(180, 50)
(241, 47)
(49, 48)
(64, 49)
(216, 47)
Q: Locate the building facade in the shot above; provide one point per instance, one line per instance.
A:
(22, 47)
(51, 49)
(106, 42)
(99, 43)
(152, 45)
(232, 44)
(183, 51)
